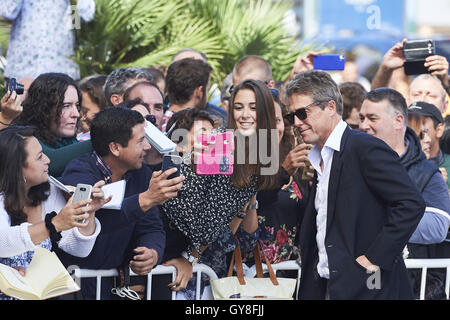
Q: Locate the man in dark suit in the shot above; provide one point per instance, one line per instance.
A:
(363, 206)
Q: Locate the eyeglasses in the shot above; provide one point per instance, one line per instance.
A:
(300, 113)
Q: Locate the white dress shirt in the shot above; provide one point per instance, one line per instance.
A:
(315, 156)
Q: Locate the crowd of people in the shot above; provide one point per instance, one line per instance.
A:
(347, 178)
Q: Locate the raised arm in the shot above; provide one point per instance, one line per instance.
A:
(392, 60)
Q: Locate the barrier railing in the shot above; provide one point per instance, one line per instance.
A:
(99, 274)
(426, 264)
(423, 264)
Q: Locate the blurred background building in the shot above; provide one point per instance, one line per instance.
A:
(368, 28)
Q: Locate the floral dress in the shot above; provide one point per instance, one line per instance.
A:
(280, 214)
(205, 206)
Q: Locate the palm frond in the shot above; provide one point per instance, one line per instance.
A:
(145, 33)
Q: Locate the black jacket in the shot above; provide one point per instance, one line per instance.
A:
(373, 209)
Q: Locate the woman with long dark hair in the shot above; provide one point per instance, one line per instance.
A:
(52, 106)
(33, 212)
(211, 209)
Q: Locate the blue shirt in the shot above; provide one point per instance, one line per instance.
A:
(122, 231)
(433, 226)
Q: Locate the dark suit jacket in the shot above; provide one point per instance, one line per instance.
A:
(373, 209)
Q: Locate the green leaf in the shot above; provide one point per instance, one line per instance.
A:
(146, 33)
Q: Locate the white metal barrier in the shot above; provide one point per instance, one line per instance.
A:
(99, 274)
(423, 264)
(426, 264)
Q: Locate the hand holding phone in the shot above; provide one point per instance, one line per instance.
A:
(172, 161)
(329, 62)
(82, 192)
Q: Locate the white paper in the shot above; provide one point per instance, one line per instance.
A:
(117, 190)
(157, 139)
(59, 185)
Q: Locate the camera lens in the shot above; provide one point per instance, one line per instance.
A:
(19, 88)
(83, 189)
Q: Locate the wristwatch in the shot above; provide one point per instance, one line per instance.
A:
(253, 206)
(192, 260)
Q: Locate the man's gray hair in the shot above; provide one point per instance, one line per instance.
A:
(117, 80)
(427, 76)
(317, 84)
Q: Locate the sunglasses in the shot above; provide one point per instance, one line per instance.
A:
(299, 113)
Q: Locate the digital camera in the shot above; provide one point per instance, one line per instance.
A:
(13, 85)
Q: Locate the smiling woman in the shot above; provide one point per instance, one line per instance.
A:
(52, 106)
(35, 213)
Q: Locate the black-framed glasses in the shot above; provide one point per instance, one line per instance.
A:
(299, 113)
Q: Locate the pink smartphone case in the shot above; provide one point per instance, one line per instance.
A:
(218, 159)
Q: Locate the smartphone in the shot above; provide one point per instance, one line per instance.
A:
(218, 158)
(415, 53)
(82, 192)
(329, 62)
(172, 161)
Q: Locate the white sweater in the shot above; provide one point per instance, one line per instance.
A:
(16, 240)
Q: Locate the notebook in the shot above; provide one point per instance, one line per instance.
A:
(158, 139)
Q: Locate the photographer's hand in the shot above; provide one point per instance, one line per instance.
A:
(438, 66)
(393, 59)
(11, 108)
(303, 62)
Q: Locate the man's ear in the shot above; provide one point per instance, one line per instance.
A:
(332, 105)
(199, 92)
(116, 99)
(445, 106)
(399, 122)
(439, 130)
(114, 148)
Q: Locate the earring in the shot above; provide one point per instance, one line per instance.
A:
(24, 179)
